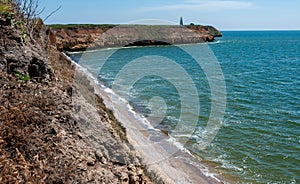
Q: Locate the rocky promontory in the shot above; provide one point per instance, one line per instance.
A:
(81, 37)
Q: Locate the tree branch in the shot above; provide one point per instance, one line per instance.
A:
(52, 13)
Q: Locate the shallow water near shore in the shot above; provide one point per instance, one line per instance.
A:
(259, 141)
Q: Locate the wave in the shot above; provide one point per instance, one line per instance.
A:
(216, 42)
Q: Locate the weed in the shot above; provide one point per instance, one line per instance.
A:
(7, 12)
(22, 77)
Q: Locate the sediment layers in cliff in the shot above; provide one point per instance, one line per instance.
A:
(81, 37)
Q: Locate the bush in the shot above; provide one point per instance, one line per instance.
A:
(6, 11)
(22, 77)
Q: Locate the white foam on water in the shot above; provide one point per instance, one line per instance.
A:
(215, 42)
(209, 174)
(108, 90)
(93, 50)
(122, 102)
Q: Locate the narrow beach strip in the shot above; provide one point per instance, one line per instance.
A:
(165, 159)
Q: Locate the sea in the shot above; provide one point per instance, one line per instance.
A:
(257, 137)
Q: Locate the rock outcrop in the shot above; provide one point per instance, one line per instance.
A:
(21, 55)
(81, 37)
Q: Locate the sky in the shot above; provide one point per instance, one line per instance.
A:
(223, 14)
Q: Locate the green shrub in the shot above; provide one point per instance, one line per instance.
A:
(22, 77)
(6, 11)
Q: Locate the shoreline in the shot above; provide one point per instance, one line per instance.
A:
(177, 166)
(133, 47)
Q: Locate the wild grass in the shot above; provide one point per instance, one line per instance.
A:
(28, 146)
(70, 26)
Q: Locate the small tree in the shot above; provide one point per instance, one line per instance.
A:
(29, 12)
(27, 15)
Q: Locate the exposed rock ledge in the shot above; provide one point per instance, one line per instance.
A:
(81, 37)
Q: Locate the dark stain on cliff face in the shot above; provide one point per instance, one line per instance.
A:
(142, 43)
(36, 68)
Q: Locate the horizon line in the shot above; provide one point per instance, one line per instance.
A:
(250, 29)
(259, 29)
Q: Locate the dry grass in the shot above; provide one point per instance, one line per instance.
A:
(29, 145)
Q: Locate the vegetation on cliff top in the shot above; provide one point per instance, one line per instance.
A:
(70, 26)
(109, 26)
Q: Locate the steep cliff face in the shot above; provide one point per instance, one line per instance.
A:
(209, 32)
(41, 137)
(81, 37)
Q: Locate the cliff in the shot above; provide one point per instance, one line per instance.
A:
(81, 37)
(40, 138)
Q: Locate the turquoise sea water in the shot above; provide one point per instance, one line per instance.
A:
(259, 141)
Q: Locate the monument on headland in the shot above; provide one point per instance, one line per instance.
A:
(181, 21)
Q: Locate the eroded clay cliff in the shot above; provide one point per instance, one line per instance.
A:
(81, 37)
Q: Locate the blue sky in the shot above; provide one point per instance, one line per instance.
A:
(223, 14)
